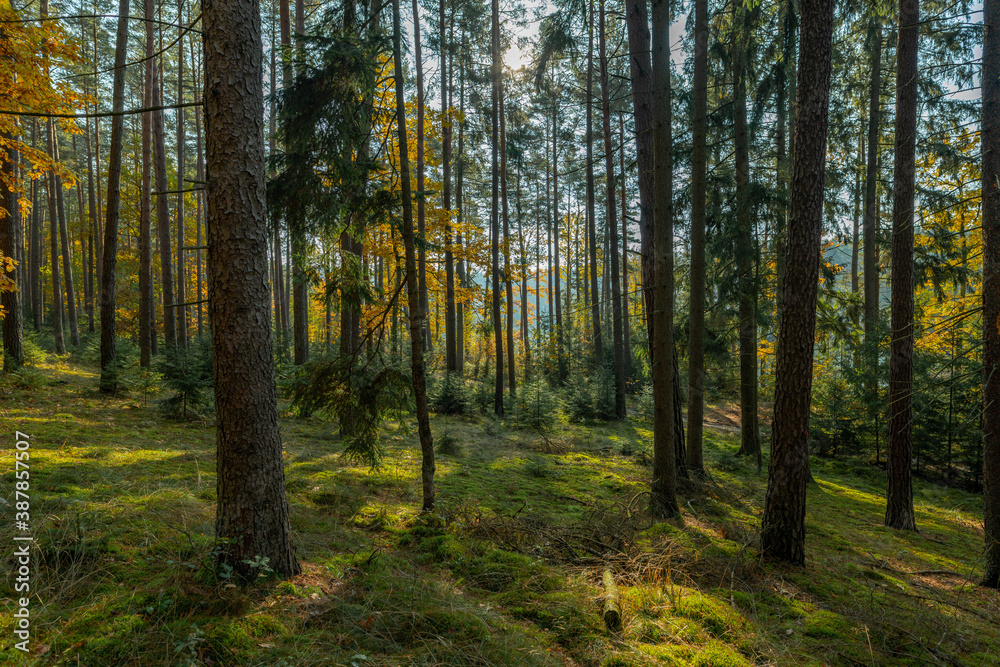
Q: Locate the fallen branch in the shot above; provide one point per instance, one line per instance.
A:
(612, 603)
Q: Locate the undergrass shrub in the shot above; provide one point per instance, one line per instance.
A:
(449, 397)
(481, 395)
(188, 373)
(536, 406)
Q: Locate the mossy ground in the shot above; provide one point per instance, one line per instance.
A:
(123, 504)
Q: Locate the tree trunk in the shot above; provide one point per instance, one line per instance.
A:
(595, 305)
(555, 229)
(460, 174)
(145, 215)
(783, 524)
(495, 209)
(421, 213)
(664, 501)
(35, 244)
(899, 495)
(870, 222)
(10, 239)
(412, 287)
(451, 348)
(507, 270)
(109, 361)
(163, 219)
(699, 169)
(252, 510)
(626, 327)
(747, 288)
(612, 204)
(54, 185)
(299, 246)
(67, 260)
(181, 313)
(991, 291)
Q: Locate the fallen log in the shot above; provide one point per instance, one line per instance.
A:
(612, 603)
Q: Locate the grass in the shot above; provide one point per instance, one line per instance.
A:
(507, 572)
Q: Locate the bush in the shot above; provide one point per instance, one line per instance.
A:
(188, 373)
(536, 406)
(449, 397)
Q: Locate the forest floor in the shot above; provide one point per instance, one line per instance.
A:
(508, 571)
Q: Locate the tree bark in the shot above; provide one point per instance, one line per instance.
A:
(664, 500)
(990, 128)
(747, 287)
(67, 260)
(181, 313)
(495, 209)
(54, 185)
(145, 214)
(507, 270)
(591, 231)
(783, 524)
(870, 221)
(109, 361)
(252, 510)
(899, 495)
(163, 219)
(451, 347)
(412, 287)
(10, 240)
(612, 209)
(421, 212)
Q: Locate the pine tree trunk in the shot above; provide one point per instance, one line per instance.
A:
(299, 246)
(181, 313)
(595, 305)
(899, 495)
(67, 260)
(421, 212)
(145, 213)
(783, 524)
(747, 288)
(451, 348)
(252, 513)
(495, 209)
(460, 174)
(54, 185)
(507, 270)
(612, 208)
(10, 240)
(699, 170)
(664, 501)
(35, 277)
(991, 292)
(626, 326)
(870, 223)
(412, 287)
(555, 232)
(109, 361)
(163, 219)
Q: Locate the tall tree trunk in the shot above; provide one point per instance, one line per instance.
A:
(181, 274)
(299, 243)
(991, 291)
(699, 172)
(109, 361)
(35, 277)
(626, 326)
(145, 214)
(54, 185)
(10, 240)
(555, 230)
(460, 175)
(163, 219)
(870, 222)
(612, 204)
(252, 510)
(664, 500)
(412, 287)
(421, 213)
(200, 196)
(783, 524)
(495, 208)
(899, 495)
(749, 432)
(67, 260)
(451, 353)
(507, 270)
(595, 305)
(785, 83)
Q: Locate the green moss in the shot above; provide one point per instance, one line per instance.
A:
(826, 624)
(718, 655)
(717, 618)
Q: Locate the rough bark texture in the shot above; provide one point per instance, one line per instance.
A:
(664, 500)
(163, 219)
(699, 165)
(145, 215)
(67, 260)
(495, 210)
(10, 239)
(412, 286)
(870, 221)
(252, 508)
(595, 306)
(991, 292)
(450, 344)
(899, 496)
(507, 270)
(181, 311)
(54, 186)
(745, 247)
(421, 213)
(109, 361)
(783, 524)
(612, 211)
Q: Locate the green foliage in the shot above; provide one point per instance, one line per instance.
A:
(449, 396)
(187, 371)
(591, 397)
(536, 406)
(361, 395)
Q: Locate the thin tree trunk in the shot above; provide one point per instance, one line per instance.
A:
(555, 231)
(109, 362)
(664, 500)
(591, 205)
(749, 434)
(145, 214)
(421, 214)
(495, 208)
(67, 260)
(870, 223)
(783, 524)
(412, 287)
(507, 270)
(54, 185)
(451, 349)
(991, 292)
(612, 204)
(181, 277)
(460, 175)
(626, 325)
(899, 495)
(35, 244)
(10, 242)
(163, 219)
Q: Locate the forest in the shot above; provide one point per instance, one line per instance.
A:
(604, 333)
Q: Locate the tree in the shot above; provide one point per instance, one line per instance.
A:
(146, 311)
(664, 501)
(783, 524)
(495, 208)
(899, 495)
(163, 218)
(252, 516)
(412, 284)
(10, 237)
(109, 355)
(699, 165)
(869, 219)
(990, 129)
